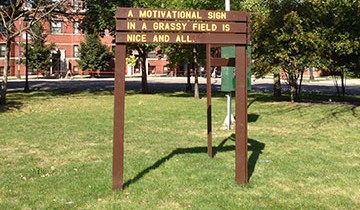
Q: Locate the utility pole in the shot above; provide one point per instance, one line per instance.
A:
(227, 5)
(229, 118)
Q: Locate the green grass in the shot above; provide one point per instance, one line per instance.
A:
(56, 153)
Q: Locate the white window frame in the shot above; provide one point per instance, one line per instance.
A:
(2, 50)
(56, 27)
(76, 27)
(76, 51)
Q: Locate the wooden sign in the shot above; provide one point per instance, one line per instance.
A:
(179, 38)
(181, 26)
(170, 14)
(212, 28)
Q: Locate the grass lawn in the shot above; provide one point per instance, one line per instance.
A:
(56, 153)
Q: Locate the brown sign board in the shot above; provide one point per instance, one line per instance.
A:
(180, 38)
(143, 25)
(213, 28)
(222, 61)
(183, 26)
(169, 14)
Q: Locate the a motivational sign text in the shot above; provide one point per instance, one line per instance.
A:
(181, 26)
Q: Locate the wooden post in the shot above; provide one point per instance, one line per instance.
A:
(235, 30)
(119, 111)
(241, 142)
(208, 95)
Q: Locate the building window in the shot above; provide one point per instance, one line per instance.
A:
(76, 28)
(76, 4)
(2, 50)
(56, 27)
(76, 51)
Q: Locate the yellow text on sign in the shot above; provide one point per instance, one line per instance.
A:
(136, 37)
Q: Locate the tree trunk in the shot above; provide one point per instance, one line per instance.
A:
(292, 83)
(144, 84)
(5, 73)
(342, 83)
(300, 83)
(196, 83)
(277, 85)
(336, 84)
(188, 83)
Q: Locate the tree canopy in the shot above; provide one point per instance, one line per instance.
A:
(289, 35)
(93, 54)
(338, 29)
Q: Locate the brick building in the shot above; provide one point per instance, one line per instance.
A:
(67, 37)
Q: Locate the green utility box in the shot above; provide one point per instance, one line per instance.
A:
(227, 79)
(228, 73)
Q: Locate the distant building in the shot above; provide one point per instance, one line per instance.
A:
(67, 37)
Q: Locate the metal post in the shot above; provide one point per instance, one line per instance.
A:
(119, 111)
(26, 89)
(208, 94)
(229, 118)
(227, 5)
(241, 137)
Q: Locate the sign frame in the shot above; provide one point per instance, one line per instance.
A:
(150, 16)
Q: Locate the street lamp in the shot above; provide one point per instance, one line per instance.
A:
(26, 89)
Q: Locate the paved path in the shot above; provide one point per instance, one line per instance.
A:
(172, 84)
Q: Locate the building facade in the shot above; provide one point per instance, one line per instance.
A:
(67, 36)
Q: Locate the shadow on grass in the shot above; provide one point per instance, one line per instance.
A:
(47, 89)
(311, 98)
(12, 105)
(255, 146)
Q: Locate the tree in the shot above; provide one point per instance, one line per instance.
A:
(93, 55)
(39, 54)
(13, 11)
(337, 24)
(131, 60)
(180, 54)
(262, 43)
(194, 53)
(283, 42)
(290, 35)
(100, 17)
